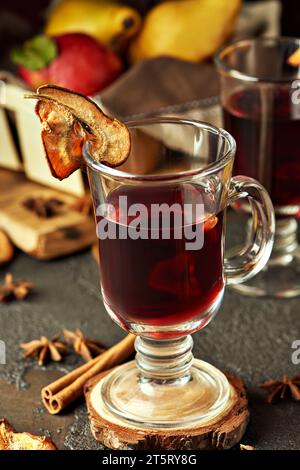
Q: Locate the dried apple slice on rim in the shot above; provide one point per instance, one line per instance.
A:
(69, 119)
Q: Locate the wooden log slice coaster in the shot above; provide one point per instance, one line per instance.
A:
(223, 432)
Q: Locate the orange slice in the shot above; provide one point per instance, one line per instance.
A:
(210, 223)
(69, 119)
(294, 59)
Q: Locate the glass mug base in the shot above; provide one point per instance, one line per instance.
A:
(280, 281)
(198, 397)
(280, 278)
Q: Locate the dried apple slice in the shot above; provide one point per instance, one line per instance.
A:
(69, 119)
(12, 440)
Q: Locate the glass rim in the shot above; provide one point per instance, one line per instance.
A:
(235, 73)
(211, 168)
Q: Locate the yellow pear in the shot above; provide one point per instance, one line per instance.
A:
(108, 21)
(186, 29)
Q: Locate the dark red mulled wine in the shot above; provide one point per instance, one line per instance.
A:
(159, 281)
(267, 149)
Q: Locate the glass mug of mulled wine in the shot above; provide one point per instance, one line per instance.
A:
(161, 226)
(261, 109)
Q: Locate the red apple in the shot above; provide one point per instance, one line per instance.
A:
(81, 64)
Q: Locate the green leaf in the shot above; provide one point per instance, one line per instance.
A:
(35, 53)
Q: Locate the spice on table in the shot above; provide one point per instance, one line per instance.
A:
(64, 391)
(6, 248)
(12, 440)
(282, 388)
(83, 204)
(45, 349)
(87, 348)
(43, 207)
(11, 290)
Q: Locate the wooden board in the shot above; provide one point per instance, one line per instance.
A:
(223, 433)
(65, 233)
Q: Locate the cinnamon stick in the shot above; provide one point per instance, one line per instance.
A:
(61, 393)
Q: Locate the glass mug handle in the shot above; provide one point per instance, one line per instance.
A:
(252, 257)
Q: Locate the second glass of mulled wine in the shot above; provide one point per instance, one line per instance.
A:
(161, 227)
(261, 108)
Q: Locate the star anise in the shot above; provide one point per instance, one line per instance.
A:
(83, 205)
(11, 289)
(85, 347)
(43, 207)
(281, 388)
(45, 349)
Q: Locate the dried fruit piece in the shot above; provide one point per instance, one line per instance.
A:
(12, 440)
(6, 248)
(294, 59)
(171, 274)
(246, 447)
(210, 223)
(69, 119)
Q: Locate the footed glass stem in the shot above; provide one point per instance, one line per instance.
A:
(165, 386)
(281, 276)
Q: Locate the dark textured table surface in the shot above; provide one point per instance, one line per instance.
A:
(250, 337)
